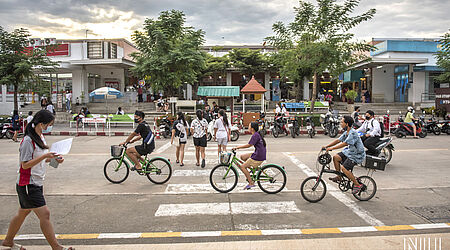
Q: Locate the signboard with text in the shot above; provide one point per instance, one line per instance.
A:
(443, 98)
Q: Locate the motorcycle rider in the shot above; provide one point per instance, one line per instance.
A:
(409, 119)
(371, 130)
(353, 153)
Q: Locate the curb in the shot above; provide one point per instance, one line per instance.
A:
(309, 231)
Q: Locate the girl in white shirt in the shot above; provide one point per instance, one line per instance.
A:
(222, 131)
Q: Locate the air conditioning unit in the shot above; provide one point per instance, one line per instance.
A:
(35, 42)
(49, 41)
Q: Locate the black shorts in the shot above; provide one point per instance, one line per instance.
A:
(144, 150)
(30, 196)
(346, 162)
(200, 142)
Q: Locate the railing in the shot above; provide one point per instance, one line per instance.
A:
(428, 97)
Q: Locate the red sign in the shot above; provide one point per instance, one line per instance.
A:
(57, 50)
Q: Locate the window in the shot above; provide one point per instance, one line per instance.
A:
(112, 50)
(95, 50)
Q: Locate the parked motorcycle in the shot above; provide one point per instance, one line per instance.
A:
(310, 127)
(279, 126)
(385, 147)
(262, 124)
(234, 130)
(165, 127)
(294, 126)
(445, 126)
(330, 124)
(432, 126)
(8, 130)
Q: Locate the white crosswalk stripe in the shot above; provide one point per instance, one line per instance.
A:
(279, 207)
(207, 189)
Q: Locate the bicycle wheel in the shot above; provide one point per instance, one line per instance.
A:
(275, 132)
(158, 171)
(114, 173)
(271, 179)
(234, 135)
(368, 190)
(309, 193)
(223, 178)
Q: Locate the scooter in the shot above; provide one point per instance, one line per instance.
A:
(234, 130)
(8, 130)
(310, 127)
(405, 129)
(294, 126)
(165, 127)
(279, 126)
(330, 124)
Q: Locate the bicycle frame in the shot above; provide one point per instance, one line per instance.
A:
(146, 164)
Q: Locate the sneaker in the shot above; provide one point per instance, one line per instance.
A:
(248, 187)
(203, 163)
(356, 189)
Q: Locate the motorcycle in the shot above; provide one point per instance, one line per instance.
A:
(432, 126)
(444, 126)
(279, 126)
(385, 147)
(8, 130)
(310, 127)
(165, 127)
(330, 124)
(405, 129)
(262, 124)
(234, 130)
(294, 127)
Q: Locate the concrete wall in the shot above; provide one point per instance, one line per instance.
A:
(419, 87)
(383, 83)
(430, 56)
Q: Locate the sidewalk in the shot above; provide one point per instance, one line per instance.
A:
(396, 242)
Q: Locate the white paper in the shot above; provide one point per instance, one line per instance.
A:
(62, 147)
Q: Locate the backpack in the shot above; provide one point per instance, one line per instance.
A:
(381, 128)
(150, 137)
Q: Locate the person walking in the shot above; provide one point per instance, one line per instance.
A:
(140, 92)
(199, 129)
(179, 133)
(44, 102)
(68, 101)
(33, 155)
(15, 124)
(29, 117)
(222, 132)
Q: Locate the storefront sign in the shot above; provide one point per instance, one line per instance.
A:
(57, 50)
(443, 98)
(112, 84)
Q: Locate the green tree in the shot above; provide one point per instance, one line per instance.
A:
(216, 64)
(443, 58)
(169, 52)
(17, 63)
(318, 40)
(248, 61)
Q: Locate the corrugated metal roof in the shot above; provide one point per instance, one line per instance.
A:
(218, 91)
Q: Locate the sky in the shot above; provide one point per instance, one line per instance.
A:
(226, 22)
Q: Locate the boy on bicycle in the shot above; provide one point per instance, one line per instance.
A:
(144, 132)
(353, 153)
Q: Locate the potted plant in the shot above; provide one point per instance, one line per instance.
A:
(351, 96)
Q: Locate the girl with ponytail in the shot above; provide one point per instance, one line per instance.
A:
(253, 160)
(33, 155)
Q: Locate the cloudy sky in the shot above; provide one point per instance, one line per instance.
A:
(224, 21)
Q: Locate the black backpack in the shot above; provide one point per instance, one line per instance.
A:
(381, 128)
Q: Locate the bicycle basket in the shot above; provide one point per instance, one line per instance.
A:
(376, 163)
(225, 157)
(116, 151)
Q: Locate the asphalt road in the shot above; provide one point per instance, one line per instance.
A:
(414, 189)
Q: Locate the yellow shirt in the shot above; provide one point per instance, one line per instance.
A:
(409, 117)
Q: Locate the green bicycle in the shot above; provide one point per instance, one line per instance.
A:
(271, 178)
(157, 169)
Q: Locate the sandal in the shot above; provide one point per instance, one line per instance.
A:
(197, 164)
(248, 187)
(14, 247)
(336, 179)
(177, 161)
(182, 164)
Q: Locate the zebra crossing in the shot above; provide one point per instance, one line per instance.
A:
(192, 180)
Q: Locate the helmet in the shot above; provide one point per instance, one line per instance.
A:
(324, 159)
(410, 109)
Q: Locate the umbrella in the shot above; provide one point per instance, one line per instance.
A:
(106, 93)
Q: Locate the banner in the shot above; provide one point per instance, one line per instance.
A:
(276, 91)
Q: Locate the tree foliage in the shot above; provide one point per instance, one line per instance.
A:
(169, 52)
(18, 63)
(248, 61)
(215, 64)
(319, 39)
(443, 58)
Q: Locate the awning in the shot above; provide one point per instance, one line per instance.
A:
(253, 87)
(218, 91)
(375, 62)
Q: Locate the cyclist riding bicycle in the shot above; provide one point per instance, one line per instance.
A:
(144, 132)
(353, 153)
(253, 160)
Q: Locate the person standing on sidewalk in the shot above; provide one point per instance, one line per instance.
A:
(15, 124)
(140, 92)
(199, 129)
(222, 132)
(179, 133)
(68, 101)
(33, 155)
